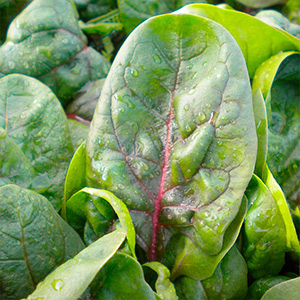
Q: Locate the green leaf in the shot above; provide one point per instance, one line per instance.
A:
(164, 287)
(85, 103)
(292, 10)
(276, 19)
(70, 280)
(243, 27)
(122, 278)
(36, 128)
(261, 3)
(175, 140)
(260, 286)
(285, 290)
(291, 235)
(33, 241)
(264, 232)
(229, 282)
(133, 13)
(78, 131)
(278, 79)
(45, 41)
(182, 256)
(189, 289)
(76, 204)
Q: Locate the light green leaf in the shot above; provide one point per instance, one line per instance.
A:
(33, 241)
(164, 287)
(76, 205)
(256, 48)
(286, 290)
(261, 3)
(71, 279)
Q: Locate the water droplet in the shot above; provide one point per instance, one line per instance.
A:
(182, 219)
(186, 107)
(191, 92)
(134, 72)
(188, 128)
(57, 284)
(219, 143)
(222, 155)
(218, 75)
(11, 65)
(65, 41)
(104, 176)
(207, 105)
(121, 109)
(169, 216)
(201, 116)
(189, 67)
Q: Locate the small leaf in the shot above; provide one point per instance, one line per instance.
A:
(75, 205)
(121, 278)
(71, 279)
(164, 287)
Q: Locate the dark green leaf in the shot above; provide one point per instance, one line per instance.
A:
(260, 286)
(33, 241)
(36, 128)
(190, 289)
(71, 279)
(78, 131)
(122, 278)
(45, 42)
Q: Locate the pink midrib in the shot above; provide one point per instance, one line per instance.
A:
(157, 203)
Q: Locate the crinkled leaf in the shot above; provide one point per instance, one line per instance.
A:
(34, 121)
(71, 279)
(85, 103)
(173, 134)
(45, 42)
(122, 278)
(278, 79)
(291, 235)
(286, 290)
(135, 12)
(264, 232)
(229, 281)
(256, 47)
(261, 3)
(260, 286)
(33, 241)
(276, 19)
(77, 207)
(163, 286)
(78, 132)
(183, 257)
(189, 289)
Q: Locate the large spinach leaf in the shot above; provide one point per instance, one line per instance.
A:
(35, 143)
(33, 241)
(173, 136)
(45, 42)
(256, 47)
(277, 80)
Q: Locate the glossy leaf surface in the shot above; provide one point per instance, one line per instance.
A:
(190, 289)
(278, 79)
(285, 290)
(122, 278)
(243, 27)
(163, 286)
(264, 232)
(33, 241)
(45, 42)
(36, 128)
(71, 279)
(173, 134)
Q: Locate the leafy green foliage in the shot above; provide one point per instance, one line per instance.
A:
(45, 42)
(35, 134)
(261, 3)
(33, 241)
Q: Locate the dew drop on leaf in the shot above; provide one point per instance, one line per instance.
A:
(57, 284)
